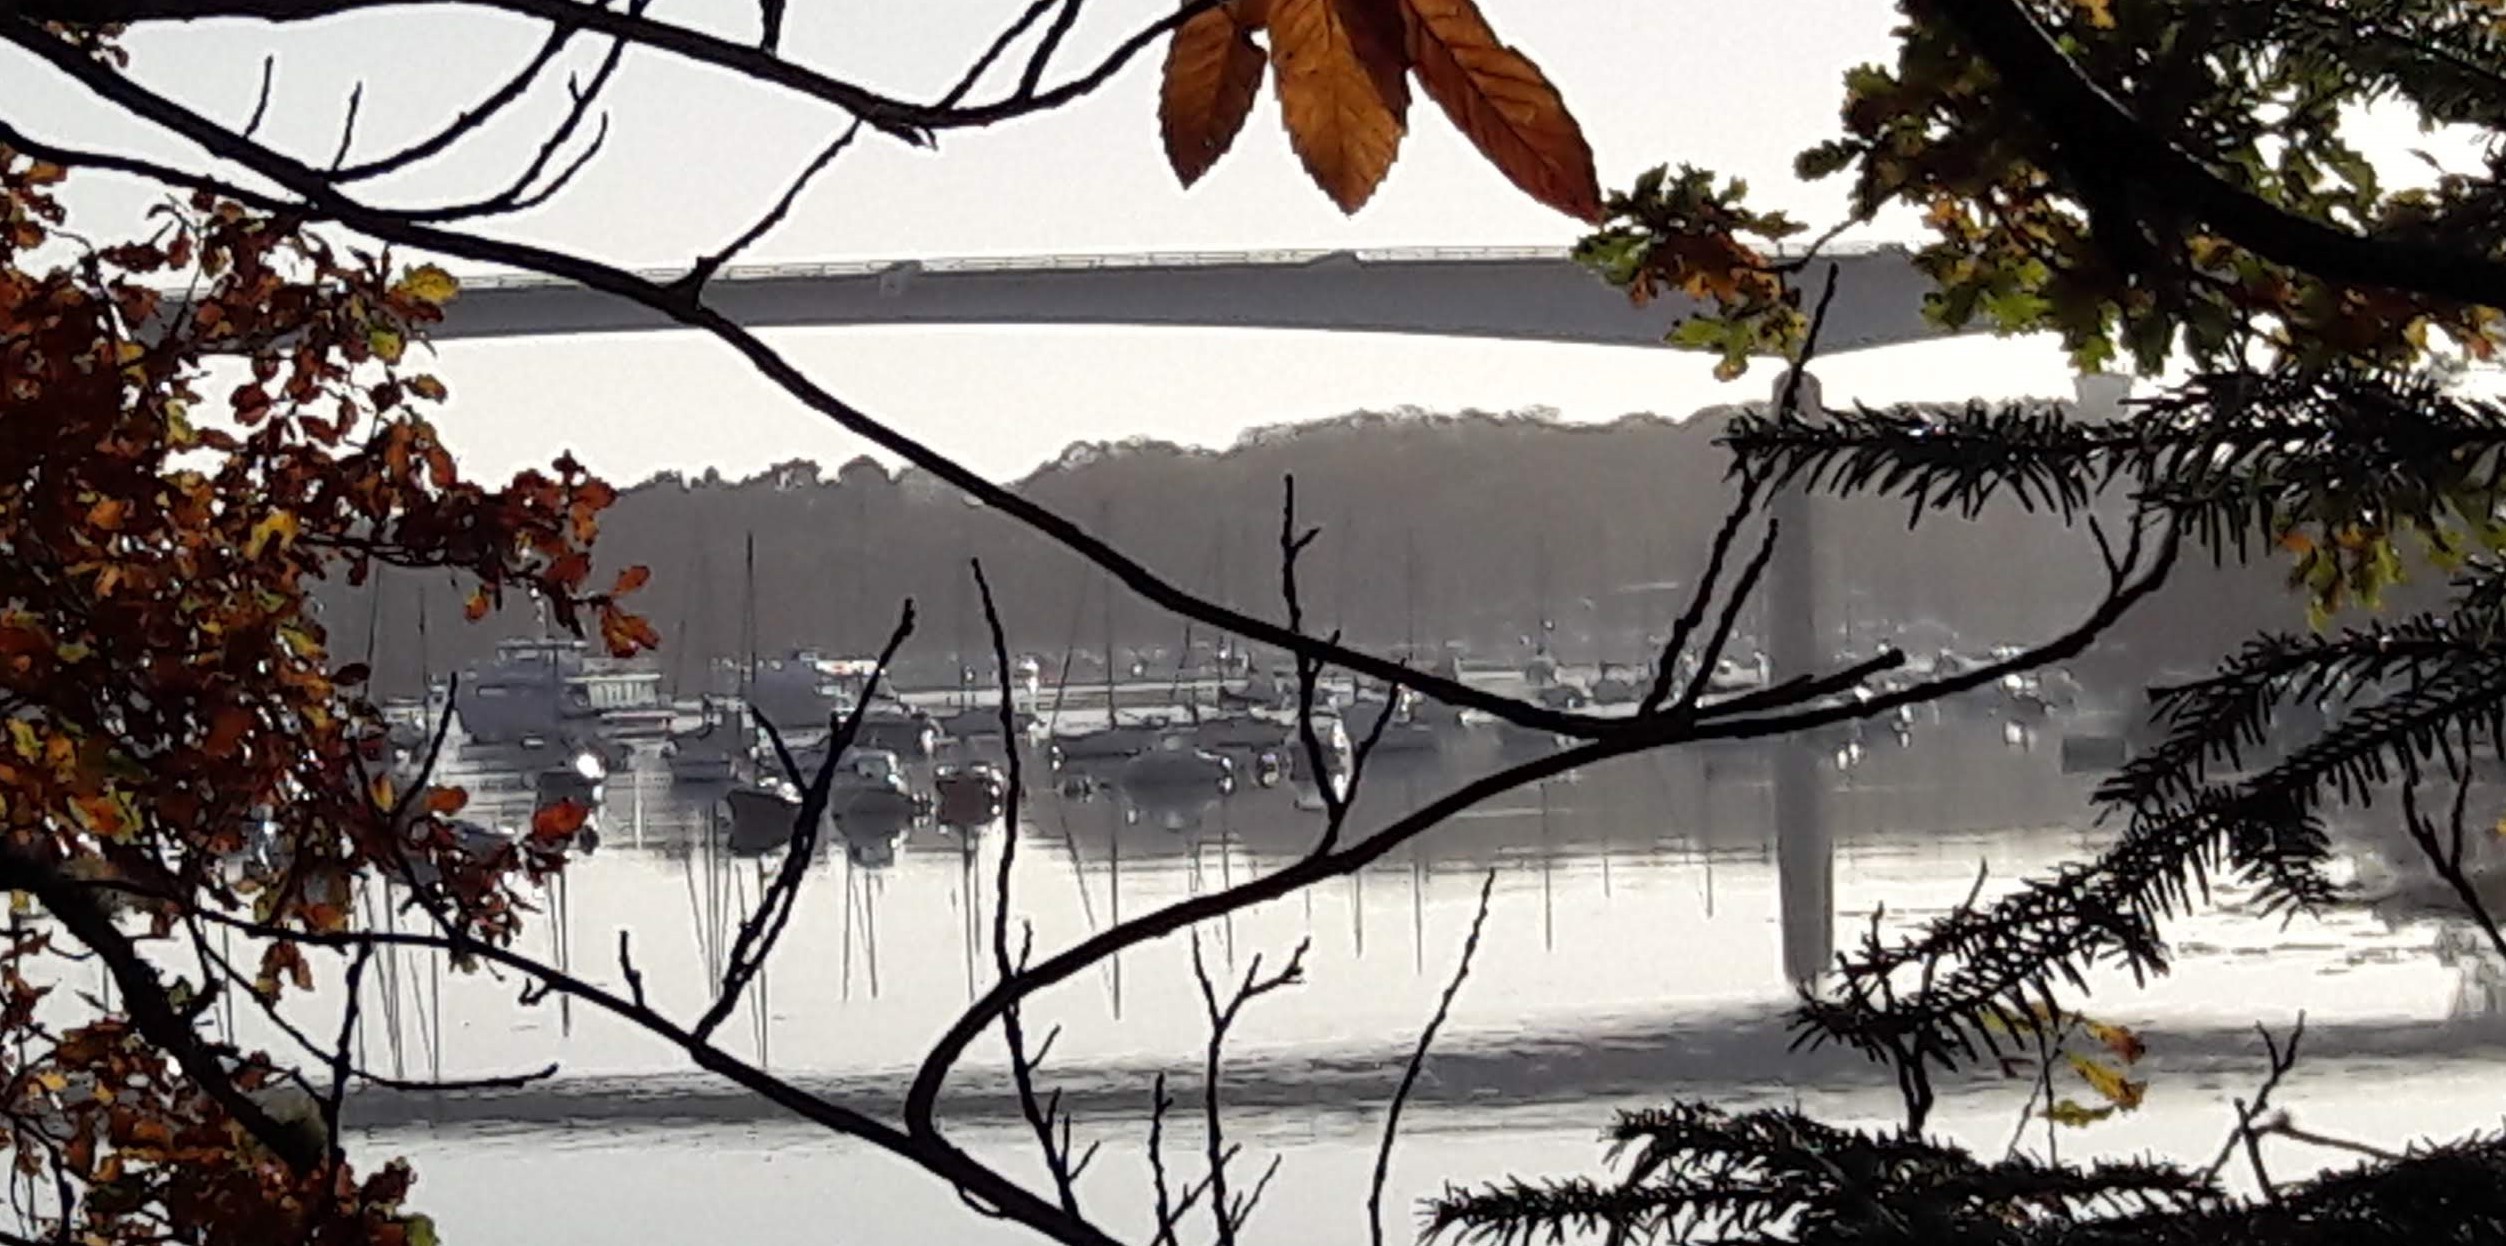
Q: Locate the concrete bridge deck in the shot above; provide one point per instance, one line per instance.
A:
(1518, 294)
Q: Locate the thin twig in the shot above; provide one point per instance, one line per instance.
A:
(1418, 1061)
(693, 283)
(2281, 1058)
(1051, 43)
(1226, 1216)
(261, 101)
(1042, 1117)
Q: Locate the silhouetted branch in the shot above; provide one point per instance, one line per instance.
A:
(348, 128)
(692, 285)
(261, 101)
(1051, 43)
(468, 122)
(1742, 590)
(1227, 1217)
(1418, 1061)
(1052, 1129)
(2447, 858)
(228, 972)
(909, 122)
(2247, 1134)
(341, 1065)
(1666, 668)
(520, 193)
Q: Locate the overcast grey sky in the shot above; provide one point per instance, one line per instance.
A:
(693, 154)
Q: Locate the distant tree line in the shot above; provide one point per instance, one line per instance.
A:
(1598, 525)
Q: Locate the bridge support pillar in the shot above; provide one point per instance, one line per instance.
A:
(1805, 845)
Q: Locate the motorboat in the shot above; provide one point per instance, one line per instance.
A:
(720, 750)
(551, 686)
(869, 785)
(910, 733)
(803, 690)
(1177, 763)
(969, 795)
(1249, 733)
(1115, 743)
(762, 816)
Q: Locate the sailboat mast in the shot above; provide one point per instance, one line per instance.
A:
(748, 619)
(1409, 589)
(1104, 523)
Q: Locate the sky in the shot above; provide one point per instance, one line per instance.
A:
(693, 154)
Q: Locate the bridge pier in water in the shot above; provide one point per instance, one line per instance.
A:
(1805, 835)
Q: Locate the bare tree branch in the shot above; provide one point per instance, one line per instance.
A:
(1227, 1217)
(468, 122)
(693, 282)
(1418, 1061)
(1042, 1117)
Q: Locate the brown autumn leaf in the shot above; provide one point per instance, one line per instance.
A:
(1499, 99)
(1344, 93)
(1213, 71)
(556, 821)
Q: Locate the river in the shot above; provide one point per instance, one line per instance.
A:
(1635, 950)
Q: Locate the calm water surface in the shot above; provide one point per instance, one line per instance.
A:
(1642, 919)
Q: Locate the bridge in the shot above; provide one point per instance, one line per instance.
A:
(1517, 293)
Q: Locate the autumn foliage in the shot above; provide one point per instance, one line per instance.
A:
(194, 428)
(1342, 71)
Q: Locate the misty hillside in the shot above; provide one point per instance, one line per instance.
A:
(1468, 528)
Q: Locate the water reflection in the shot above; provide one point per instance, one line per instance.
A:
(1650, 918)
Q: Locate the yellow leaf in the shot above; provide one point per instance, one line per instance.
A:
(1342, 91)
(278, 524)
(2100, 13)
(22, 735)
(381, 790)
(2108, 1081)
(1499, 99)
(428, 284)
(2126, 1045)
(387, 345)
(2074, 1114)
(1213, 71)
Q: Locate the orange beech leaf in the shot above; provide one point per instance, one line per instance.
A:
(559, 820)
(107, 514)
(1499, 99)
(478, 605)
(1213, 71)
(446, 801)
(1343, 90)
(630, 580)
(626, 634)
